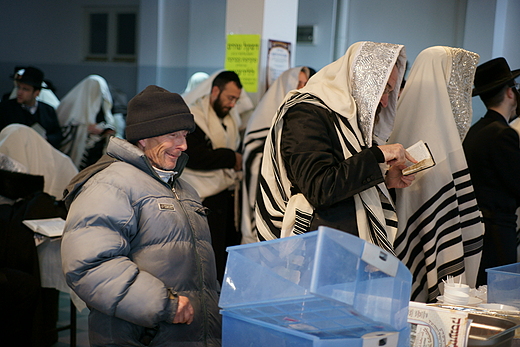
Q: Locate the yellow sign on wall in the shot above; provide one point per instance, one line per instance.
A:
(242, 56)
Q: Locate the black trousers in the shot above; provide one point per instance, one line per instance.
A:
(499, 245)
(222, 227)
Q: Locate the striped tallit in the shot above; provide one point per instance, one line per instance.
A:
(290, 215)
(350, 88)
(254, 139)
(440, 230)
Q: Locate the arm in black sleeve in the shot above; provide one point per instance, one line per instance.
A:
(49, 121)
(507, 151)
(204, 157)
(314, 159)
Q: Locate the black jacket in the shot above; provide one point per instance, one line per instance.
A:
(12, 112)
(493, 154)
(317, 168)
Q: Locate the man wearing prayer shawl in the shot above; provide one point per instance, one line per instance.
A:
(243, 106)
(26, 146)
(320, 164)
(254, 140)
(85, 114)
(440, 228)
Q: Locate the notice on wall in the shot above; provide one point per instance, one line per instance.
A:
(278, 59)
(242, 56)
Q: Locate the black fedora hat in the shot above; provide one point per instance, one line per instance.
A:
(493, 74)
(29, 75)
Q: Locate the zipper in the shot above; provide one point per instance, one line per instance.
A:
(199, 269)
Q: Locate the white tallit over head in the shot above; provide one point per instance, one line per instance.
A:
(195, 79)
(352, 87)
(79, 108)
(242, 106)
(440, 231)
(264, 112)
(26, 146)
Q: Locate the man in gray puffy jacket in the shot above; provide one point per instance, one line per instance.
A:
(137, 247)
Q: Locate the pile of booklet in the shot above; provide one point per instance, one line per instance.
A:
(50, 227)
(435, 326)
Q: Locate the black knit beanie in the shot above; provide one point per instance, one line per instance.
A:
(155, 112)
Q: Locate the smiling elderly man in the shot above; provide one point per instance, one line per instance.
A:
(137, 247)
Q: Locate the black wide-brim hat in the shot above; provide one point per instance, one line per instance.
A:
(493, 74)
(29, 75)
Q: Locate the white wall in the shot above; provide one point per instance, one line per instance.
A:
(163, 43)
(491, 30)
(207, 36)
(321, 14)
(416, 24)
(511, 47)
(49, 34)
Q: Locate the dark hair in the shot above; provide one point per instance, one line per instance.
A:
(495, 96)
(224, 78)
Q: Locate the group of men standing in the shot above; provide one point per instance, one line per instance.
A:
(145, 224)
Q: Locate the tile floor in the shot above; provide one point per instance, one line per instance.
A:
(64, 319)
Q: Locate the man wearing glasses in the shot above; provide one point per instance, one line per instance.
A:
(492, 150)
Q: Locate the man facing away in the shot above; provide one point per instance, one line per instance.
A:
(254, 141)
(25, 109)
(493, 155)
(136, 246)
(320, 166)
(215, 161)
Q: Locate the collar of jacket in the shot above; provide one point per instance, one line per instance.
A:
(496, 116)
(119, 150)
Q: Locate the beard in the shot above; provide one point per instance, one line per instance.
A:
(378, 111)
(220, 110)
(516, 112)
(517, 103)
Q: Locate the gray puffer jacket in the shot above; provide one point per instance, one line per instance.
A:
(129, 238)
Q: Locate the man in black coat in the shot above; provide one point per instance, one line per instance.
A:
(492, 149)
(25, 109)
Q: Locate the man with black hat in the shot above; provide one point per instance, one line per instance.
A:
(492, 150)
(25, 109)
(137, 247)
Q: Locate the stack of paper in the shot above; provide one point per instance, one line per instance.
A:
(50, 227)
(435, 326)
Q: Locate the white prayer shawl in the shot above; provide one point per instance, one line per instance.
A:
(26, 146)
(211, 182)
(440, 230)
(352, 87)
(195, 79)
(243, 105)
(78, 109)
(254, 140)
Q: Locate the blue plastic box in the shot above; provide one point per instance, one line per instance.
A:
(240, 331)
(326, 285)
(503, 285)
